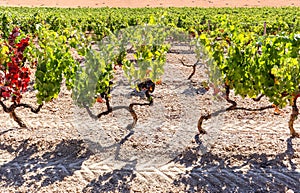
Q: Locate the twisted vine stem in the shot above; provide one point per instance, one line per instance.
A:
(293, 117)
(11, 110)
(231, 108)
(193, 66)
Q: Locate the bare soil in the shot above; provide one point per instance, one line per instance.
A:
(63, 150)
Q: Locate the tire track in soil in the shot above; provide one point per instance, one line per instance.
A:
(209, 177)
(215, 173)
(226, 180)
(210, 173)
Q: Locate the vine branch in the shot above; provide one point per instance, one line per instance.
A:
(258, 97)
(293, 117)
(233, 103)
(193, 66)
(206, 117)
(230, 108)
(109, 109)
(11, 110)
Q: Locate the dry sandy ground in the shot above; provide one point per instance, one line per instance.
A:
(242, 152)
(151, 3)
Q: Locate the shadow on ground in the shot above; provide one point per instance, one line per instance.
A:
(40, 164)
(118, 180)
(239, 173)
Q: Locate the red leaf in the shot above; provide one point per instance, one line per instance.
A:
(5, 94)
(14, 78)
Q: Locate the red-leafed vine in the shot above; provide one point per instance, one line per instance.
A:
(14, 75)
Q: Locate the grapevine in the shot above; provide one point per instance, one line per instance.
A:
(256, 65)
(14, 74)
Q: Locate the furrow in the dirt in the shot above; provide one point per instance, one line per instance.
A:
(171, 175)
(234, 177)
(149, 176)
(79, 176)
(228, 180)
(101, 165)
(257, 179)
(75, 165)
(60, 167)
(164, 175)
(220, 176)
(87, 171)
(216, 181)
(141, 177)
(284, 178)
(270, 180)
(174, 170)
(295, 175)
(203, 180)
